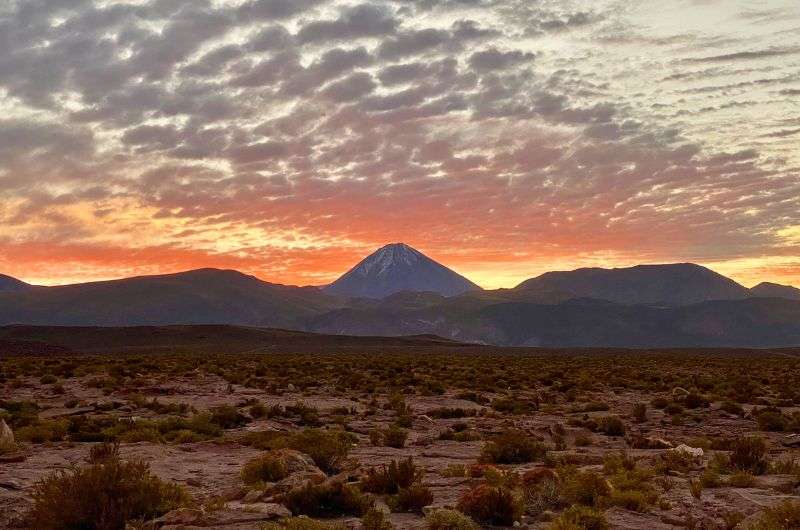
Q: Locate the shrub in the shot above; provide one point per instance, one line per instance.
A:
(375, 519)
(444, 519)
(228, 417)
(395, 437)
(611, 425)
(328, 499)
(392, 478)
(266, 468)
(640, 412)
(412, 499)
(783, 516)
(258, 410)
(302, 523)
(732, 408)
(450, 412)
(659, 403)
(695, 401)
(584, 487)
(750, 454)
(491, 505)
(512, 447)
(327, 448)
(742, 479)
(580, 518)
(771, 420)
(42, 432)
(541, 494)
(102, 496)
(103, 452)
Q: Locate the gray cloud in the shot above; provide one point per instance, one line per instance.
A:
(365, 20)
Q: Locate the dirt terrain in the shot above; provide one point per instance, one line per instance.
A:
(610, 440)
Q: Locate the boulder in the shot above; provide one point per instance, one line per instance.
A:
(694, 452)
(181, 516)
(649, 442)
(6, 436)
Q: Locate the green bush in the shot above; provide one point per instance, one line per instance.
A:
(444, 519)
(412, 499)
(611, 425)
(580, 518)
(395, 437)
(329, 499)
(327, 448)
(375, 519)
(228, 417)
(302, 523)
(584, 487)
(266, 468)
(783, 516)
(102, 496)
(750, 454)
(513, 447)
(390, 479)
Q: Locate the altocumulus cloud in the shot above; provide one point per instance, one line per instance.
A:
(259, 133)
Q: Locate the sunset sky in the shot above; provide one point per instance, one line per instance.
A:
(503, 138)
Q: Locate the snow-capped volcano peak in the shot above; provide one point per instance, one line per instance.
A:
(382, 260)
(398, 267)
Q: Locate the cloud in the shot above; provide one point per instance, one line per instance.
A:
(365, 20)
(494, 59)
(746, 55)
(261, 133)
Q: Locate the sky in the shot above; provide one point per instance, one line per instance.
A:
(504, 138)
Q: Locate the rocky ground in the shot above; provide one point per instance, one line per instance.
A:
(659, 435)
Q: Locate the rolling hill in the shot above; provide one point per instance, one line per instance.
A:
(204, 296)
(670, 285)
(12, 285)
(775, 290)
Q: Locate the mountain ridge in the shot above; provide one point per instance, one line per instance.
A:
(643, 306)
(671, 284)
(10, 284)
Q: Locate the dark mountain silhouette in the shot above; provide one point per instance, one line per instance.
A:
(671, 285)
(12, 285)
(754, 322)
(775, 290)
(395, 268)
(680, 305)
(205, 296)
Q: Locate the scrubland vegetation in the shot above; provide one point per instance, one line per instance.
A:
(392, 441)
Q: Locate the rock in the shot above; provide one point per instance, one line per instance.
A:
(270, 509)
(239, 513)
(650, 442)
(12, 458)
(10, 484)
(233, 493)
(295, 480)
(253, 496)
(792, 441)
(180, 516)
(694, 452)
(6, 436)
